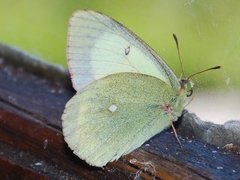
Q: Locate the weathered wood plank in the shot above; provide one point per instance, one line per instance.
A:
(32, 99)
(12, 170)
(47, 144)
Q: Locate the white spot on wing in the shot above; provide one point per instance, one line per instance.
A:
(112, 108)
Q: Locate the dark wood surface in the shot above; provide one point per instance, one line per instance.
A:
(32, 99)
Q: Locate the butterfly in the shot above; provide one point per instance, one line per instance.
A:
(125, 94)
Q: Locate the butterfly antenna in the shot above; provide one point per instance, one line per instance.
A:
(179, 56)
(209, 69)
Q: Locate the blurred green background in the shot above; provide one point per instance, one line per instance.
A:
(208, 31)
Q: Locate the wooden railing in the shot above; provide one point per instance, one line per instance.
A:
(32, 98)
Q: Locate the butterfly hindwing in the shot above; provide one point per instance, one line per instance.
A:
(99, 46)
(116, 115)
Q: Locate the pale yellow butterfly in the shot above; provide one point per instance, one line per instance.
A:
(125, 92)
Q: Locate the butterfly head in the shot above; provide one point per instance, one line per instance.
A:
(186, 87)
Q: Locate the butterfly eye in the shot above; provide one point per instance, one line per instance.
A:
(190, 92)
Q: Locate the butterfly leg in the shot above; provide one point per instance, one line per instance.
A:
(175, 133)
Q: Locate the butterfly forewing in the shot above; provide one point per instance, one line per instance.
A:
(99, 46)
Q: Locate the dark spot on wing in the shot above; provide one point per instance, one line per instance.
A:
(127, 50)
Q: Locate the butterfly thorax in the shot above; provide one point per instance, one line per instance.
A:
(177, 104)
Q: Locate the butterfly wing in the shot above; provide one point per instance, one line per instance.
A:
(117, 114)
(99, 46)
